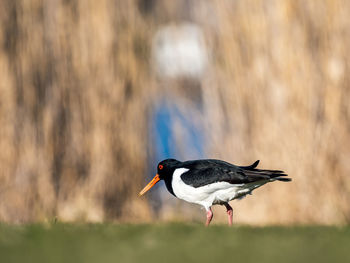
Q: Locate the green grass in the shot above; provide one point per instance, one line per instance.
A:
(172, 243)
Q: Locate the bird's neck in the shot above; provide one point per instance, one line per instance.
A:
(168, 185)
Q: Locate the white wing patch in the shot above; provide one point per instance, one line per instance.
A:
(215, 193)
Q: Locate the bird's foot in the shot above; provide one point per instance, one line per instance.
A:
(229, 212)
(230, 216)
(209, 217)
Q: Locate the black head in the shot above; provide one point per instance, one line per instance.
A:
(165, 170)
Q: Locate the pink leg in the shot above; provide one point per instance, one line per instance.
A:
(209, 217)
(229, 212)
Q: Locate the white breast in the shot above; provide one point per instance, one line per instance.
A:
(215, 193)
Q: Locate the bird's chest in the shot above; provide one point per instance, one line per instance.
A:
(214, 193)
(183, 190)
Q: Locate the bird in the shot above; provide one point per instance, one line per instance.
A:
(209, 182)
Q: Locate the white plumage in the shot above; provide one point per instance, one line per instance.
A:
(211, 194)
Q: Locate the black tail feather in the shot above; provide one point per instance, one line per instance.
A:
(254, 174)
(283, 179)
(252, 166)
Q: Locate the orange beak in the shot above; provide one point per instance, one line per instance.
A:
(150, 185)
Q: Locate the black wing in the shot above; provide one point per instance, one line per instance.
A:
(203, 172)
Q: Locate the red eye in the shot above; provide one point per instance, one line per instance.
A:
(160, 167)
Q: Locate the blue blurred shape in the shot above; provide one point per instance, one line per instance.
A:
(166, 145)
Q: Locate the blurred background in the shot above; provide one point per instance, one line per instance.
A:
(93, 94)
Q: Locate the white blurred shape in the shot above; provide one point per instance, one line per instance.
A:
(179, 50)
(335, 69)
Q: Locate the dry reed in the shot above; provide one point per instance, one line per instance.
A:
(77, 85)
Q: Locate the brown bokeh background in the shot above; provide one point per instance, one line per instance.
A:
(77, 85)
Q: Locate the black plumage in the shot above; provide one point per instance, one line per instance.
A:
(204, 172)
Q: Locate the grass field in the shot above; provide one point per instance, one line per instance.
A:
(172, 243)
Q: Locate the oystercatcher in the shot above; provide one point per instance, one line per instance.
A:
(210, 182)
